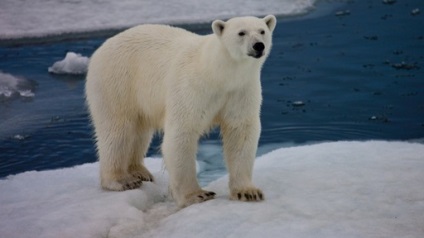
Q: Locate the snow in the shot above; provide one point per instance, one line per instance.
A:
(39, 18)
(338, 189)
(11, 86)
(73, 63)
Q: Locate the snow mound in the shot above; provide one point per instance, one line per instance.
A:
(63, 203)
(12, 86)
(73, 63)
(340, 189)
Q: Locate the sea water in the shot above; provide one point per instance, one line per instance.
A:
(328, 78)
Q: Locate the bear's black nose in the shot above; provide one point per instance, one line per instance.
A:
(259, 46)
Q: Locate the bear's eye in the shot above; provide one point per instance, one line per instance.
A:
(262, 32)
(242, 33)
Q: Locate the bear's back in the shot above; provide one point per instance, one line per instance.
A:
(150, 37)
(144, 47)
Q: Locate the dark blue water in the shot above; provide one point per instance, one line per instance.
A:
(328, 78)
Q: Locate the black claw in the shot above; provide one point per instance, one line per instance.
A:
(246, 196)
(239, 196)
(210, 194)
(200, 196)
(254, 197)
(261, 197)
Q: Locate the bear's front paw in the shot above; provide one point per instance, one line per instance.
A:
(198, 197)
(247, 194)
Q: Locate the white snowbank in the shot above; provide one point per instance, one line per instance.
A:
(73, 63)
(341, 189)
(15, 86)
(37, 18)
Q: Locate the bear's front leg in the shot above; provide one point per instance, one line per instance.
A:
(240, 141)
(179, 149)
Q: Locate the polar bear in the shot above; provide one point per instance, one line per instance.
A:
(157, 77)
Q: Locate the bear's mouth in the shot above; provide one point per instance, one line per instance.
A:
(256, 54)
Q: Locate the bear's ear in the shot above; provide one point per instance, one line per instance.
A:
(218, 27)
(270, 21)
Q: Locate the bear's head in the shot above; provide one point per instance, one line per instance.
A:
(246, 37)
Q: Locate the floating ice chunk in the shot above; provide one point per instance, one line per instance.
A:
(389, 2)
(20, 137)
(415, 11)
(11, 86)
(379, 118)
(8, 84)
(26, 93)
(342, 13)
(406, 66)
(5, 92)
(73, 63)
(298, 103)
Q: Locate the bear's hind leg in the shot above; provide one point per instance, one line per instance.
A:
(141, 145)
(115, 152)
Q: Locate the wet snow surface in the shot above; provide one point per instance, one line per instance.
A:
(340, 189)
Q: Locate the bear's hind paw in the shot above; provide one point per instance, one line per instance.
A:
(128, 183)
(146, 177)
(198, 197)
(248, 195)
(141, 172)
(131, 183)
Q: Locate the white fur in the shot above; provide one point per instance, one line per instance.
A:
(155, 77)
